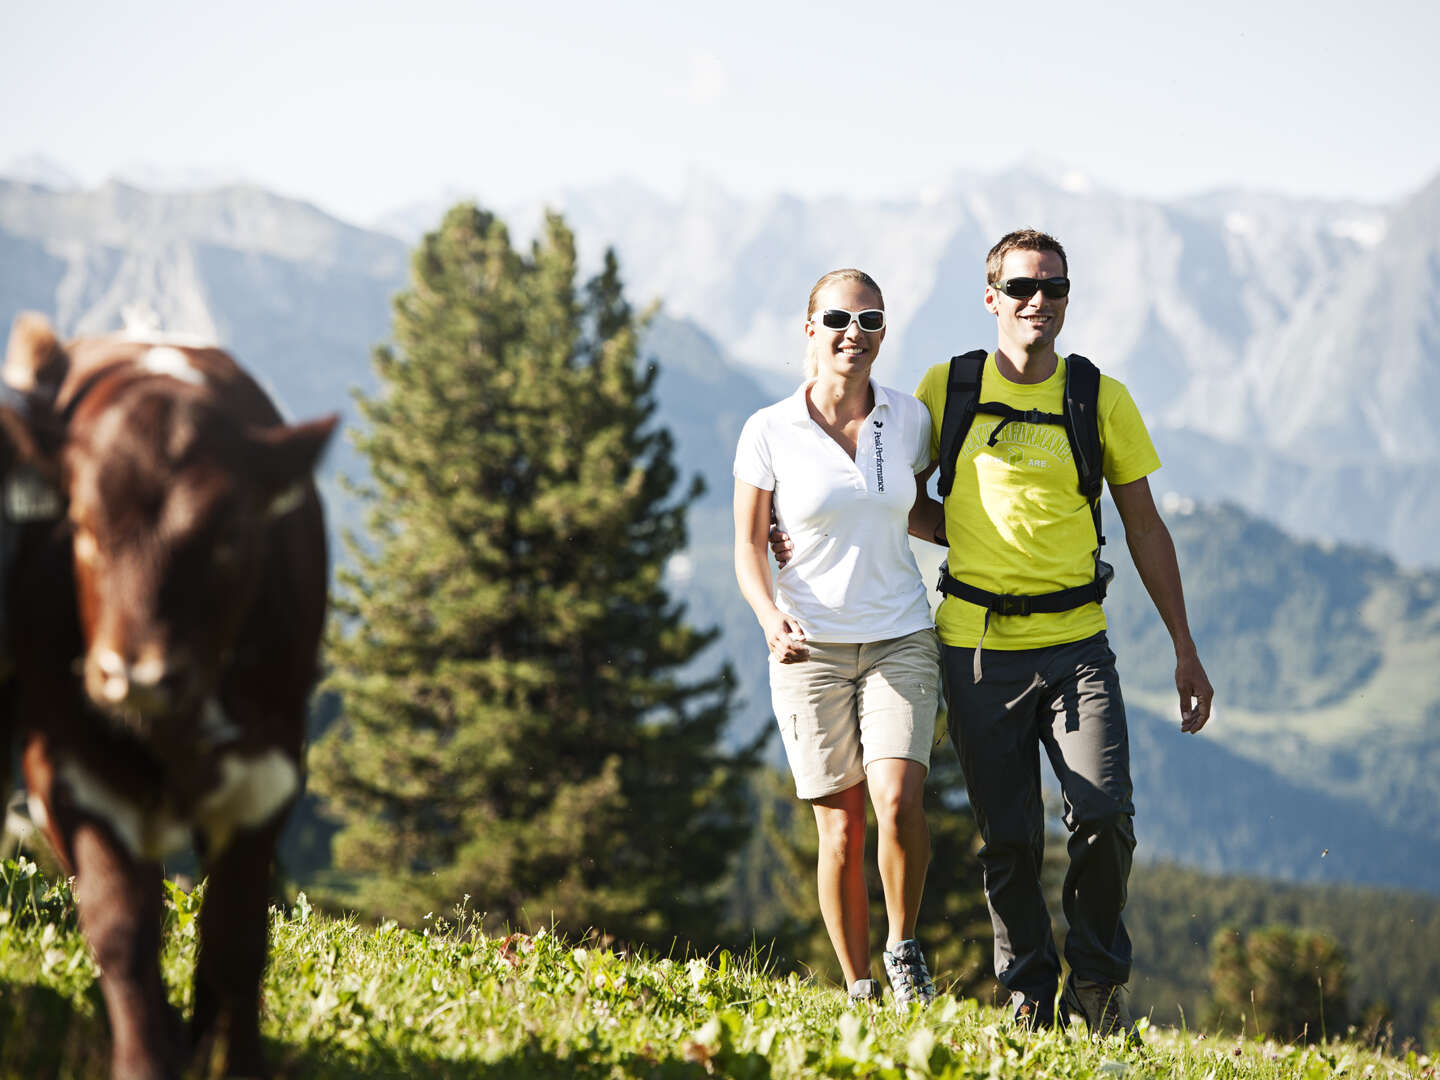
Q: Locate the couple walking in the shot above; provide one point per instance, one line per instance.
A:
(856, 665)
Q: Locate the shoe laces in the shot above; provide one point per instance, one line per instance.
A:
(864, 990)
(909, 977)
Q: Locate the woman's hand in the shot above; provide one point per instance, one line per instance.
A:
(783, 635)
(784, 638)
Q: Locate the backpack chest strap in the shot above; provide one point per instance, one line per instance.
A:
(1010, 415)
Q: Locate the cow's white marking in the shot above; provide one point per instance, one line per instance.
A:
(149, 833)
(140, 318)
(36, 806)
(30, 497)
(165, 360)
(251, 791)
(114, 686)
(215, 726)
(143, 324)
(149, 671)
(17, 825)
(288, 500)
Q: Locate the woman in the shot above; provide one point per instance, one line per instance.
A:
(854, 661)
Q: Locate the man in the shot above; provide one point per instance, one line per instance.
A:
(1018, 525)
(1022, 535)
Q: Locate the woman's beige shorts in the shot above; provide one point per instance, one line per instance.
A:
(851, 704)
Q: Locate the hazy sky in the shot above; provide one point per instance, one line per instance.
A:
(364, 106)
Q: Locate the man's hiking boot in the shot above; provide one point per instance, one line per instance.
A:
(1031, 1012)
(865, 990)
(909, 978)
(1103, 1006)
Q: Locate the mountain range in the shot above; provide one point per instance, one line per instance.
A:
(1285, 353)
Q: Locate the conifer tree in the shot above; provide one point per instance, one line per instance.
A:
(521, 718)
(1288, 983)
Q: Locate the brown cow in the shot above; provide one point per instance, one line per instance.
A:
(166, 704)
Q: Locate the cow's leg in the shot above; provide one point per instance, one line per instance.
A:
(234, 934)
(121, 913)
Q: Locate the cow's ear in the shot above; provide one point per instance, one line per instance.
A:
(30, 447)
(287, 456)
(35, 361)
(30, 434)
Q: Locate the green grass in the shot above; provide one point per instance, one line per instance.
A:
(445, 1000)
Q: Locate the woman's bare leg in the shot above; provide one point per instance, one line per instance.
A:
(897, 791)
(840, 877)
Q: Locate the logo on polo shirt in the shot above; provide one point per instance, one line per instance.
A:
(879, 458)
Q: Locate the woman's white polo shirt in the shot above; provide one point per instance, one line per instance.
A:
(852, 577)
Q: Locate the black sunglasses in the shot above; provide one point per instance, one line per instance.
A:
(1022, 288)
(871, 320)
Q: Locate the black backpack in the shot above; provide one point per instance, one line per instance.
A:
(1081, 421)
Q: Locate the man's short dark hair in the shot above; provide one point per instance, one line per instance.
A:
(1021, 240)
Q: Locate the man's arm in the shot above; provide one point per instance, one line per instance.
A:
(927, 521)
(927, 516)
(1154, 554)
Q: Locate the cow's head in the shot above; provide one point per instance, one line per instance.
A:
(174, 507)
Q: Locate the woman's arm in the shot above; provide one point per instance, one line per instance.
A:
(783, 635)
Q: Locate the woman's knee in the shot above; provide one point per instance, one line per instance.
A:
(840, 822)
(897, 793)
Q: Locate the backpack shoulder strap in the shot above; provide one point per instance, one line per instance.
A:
(961, 393)
(1082, 423)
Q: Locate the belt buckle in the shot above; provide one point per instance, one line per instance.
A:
(1014, 605)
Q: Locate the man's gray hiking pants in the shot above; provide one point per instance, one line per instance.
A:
(1065, 698)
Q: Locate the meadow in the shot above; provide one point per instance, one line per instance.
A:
(445, 999)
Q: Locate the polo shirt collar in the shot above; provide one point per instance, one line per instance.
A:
(797, 412)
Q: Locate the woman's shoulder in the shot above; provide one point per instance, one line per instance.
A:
(905, 403)
(777, 412)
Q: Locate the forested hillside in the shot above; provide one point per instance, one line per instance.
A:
(1327, 731)
(1391, 940)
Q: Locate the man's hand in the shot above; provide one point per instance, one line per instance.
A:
(780, 545)
(785, 639)
(1195, 692)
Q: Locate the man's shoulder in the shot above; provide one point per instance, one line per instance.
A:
(933, 382)
(1112, 393)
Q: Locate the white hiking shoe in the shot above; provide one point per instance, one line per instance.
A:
(909, 978)
(864, 990)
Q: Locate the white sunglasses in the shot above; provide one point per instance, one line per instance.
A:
(871, 320)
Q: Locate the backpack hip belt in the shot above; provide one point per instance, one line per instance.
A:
(1041, 604)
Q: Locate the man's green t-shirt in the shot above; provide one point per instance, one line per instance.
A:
(1015, 518)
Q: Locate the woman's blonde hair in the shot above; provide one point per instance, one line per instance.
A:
(848, 273)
